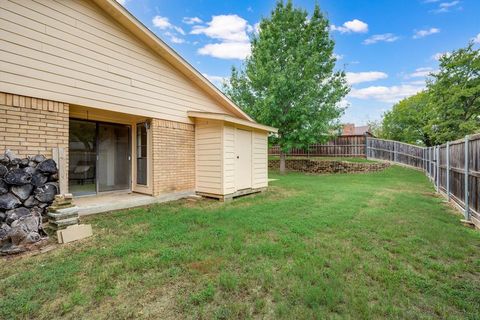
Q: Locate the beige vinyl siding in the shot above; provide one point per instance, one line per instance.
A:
(260, 160)
(209, 156)
(229, 158)
(72, 51)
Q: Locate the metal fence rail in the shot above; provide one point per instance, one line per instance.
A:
(453, 167)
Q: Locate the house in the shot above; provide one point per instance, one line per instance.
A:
(86, 82)
(349, 129)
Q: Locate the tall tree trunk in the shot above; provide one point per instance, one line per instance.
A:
(282, 162)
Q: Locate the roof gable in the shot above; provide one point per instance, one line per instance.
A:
(127, 20)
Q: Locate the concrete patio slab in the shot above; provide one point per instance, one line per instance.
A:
(122, 200)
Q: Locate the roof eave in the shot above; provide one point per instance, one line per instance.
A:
(230, 119)
(126, 19)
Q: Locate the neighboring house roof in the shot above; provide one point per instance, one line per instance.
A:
(230, 119)
(127, 20)
(361, 130)
(349, 129)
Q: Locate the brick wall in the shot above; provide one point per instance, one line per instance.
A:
(173, 156)
(30, 126)
(328, 166)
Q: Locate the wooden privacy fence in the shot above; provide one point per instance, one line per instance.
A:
(342, 146)
(454, 168)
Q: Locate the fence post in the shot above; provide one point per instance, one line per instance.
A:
(448, 170)
(437, 171)
(366, 145)
(467, 200)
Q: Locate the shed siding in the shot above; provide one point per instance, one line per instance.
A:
(209, 157)
(260, 159)
(71, 51)
(229, 159)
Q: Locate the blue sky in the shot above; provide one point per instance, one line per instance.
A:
(387, 47)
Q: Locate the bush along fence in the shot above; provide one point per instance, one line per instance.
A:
(453, 167)
(342, 146)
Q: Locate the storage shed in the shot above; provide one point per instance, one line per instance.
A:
(231, 155)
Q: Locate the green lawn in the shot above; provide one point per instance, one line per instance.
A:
(346, 159)
(366, 246)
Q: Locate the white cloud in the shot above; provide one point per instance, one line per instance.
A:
(338, 56)
(476, 39)
(122, 2)
(256, 27)
(191, 20)
(423, 33)
(446, 6)
(226, 50)
(232, 31)
(359, 77)
(386, 37)
(421, 72)
(438, 55)
(390, 94)
(225, 27)
(216, 80)
(163, 23)
(355, 26)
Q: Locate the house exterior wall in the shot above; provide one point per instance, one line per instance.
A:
(72, 51)
(30, 126)
(209, 156)
(173, 149)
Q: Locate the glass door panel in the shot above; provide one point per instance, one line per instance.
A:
(113, 165)
(82, 157)
(142, 154)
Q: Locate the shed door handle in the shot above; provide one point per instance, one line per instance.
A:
(238, 157)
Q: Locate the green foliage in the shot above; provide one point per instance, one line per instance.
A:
(289, 81)
(409, 120)
(447, 110)
(455, 95)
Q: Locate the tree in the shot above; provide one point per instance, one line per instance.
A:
(455, 95)
(408, 121)
(289, 81)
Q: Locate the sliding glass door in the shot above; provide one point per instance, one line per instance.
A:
(113, 165)
(82, 158)
(99, 158)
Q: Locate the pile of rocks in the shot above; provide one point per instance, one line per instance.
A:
(328, 166)
(27, 188)
(62, 213)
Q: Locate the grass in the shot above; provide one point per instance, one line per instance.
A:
(366, 246)
(346, 159)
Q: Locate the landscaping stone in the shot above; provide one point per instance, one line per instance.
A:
(9, 201)
(27, 188)
(328, 166)
(15, 214)
(17, 177)
(48, 166)
(46, 193)
(3, 187)
(22, 192)
(3, 171)
(38, 179)
(38, 158)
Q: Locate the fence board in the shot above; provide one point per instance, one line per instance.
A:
(445, 165)
(342, 146)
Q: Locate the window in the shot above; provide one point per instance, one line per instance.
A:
(142, 154)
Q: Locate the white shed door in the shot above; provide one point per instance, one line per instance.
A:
(243, 147)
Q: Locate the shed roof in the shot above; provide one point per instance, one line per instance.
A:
(230, 119)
